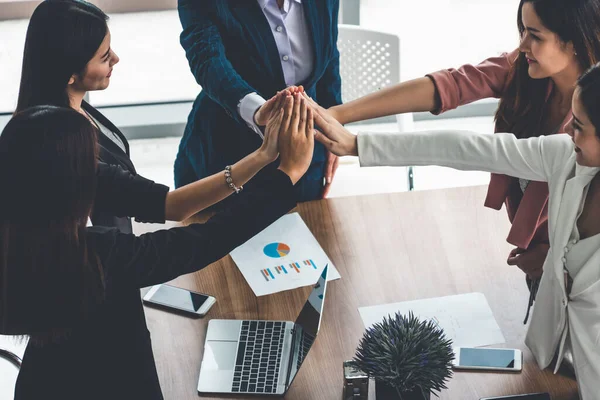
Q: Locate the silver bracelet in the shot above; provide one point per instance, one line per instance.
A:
(229, 180)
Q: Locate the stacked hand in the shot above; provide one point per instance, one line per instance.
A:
(271, 108)
(331, 133)
(273, 105)
(291, 128)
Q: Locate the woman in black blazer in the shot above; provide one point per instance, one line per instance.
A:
(66, 286)
(67, 53)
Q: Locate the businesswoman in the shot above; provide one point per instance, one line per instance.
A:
(565, 319)
(242, 52)
(67, 54)
(62, 284)
(559, 40)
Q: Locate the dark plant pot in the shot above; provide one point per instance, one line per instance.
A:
(384, 391)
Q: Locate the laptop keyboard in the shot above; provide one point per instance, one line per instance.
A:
(258, 357)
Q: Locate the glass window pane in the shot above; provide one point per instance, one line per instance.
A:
(12, 42)
(437, 34)
(153, 67)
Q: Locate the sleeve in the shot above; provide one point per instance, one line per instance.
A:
(329, 87)
(469, 83)
(535, 158)
(248, 107)
(205, 52)
(161, 256)
(122, 194)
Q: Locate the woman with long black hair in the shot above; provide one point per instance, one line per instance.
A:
(67, 54)
(75, 290)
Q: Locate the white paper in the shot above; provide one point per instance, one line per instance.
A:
(295, 257)
(466, 319)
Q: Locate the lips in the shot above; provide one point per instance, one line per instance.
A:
(109, 74)
(531, 60)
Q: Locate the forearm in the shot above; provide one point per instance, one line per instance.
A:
(194, 197)
(411, 96)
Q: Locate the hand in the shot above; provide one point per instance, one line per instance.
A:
(264, 113)
(331, 133)
(530, 261)
(270, 146)
(296, 137)
(331, 167)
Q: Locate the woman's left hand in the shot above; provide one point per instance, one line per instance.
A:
(530, 261)
(269, 146)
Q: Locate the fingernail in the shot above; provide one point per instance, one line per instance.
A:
(328, 179)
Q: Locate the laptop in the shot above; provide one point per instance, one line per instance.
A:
(260, 357)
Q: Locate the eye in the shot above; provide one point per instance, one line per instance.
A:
(536, 38)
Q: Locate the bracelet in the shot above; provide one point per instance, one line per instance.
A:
(229, 180)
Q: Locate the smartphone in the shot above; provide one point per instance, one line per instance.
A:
(488, 359)
(169, 296)
(532, 396)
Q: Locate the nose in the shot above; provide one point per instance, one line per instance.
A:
(115, 58)
(524, 44)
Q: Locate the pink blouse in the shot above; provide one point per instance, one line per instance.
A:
(469, 83)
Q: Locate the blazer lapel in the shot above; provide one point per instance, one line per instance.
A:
(315, 24)
(250, 15)
(107, 123)
(569, 208)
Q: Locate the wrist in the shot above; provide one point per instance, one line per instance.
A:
(256, 118)
(261, 157)
(292, 173)
(353, 146)
(337, 113)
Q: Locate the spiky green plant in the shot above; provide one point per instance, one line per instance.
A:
(407, 354)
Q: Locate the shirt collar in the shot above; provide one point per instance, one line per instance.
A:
(263, 3)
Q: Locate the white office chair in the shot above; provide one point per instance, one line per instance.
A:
(370, 61)
(9, 370)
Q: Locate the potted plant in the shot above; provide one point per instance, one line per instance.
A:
(408, 358)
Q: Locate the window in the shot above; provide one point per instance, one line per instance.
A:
(437, 34)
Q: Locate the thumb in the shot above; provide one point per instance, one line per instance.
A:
(329, 167)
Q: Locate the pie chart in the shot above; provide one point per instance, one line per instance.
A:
(276, 250)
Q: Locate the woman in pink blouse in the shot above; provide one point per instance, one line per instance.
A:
(535, 83)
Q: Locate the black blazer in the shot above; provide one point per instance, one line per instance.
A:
(109, 356)
(145, 200)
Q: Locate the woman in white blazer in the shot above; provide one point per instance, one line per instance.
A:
(566, 317)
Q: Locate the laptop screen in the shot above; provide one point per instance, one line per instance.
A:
(307, 325)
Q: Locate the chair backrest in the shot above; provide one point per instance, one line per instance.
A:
(369, 61)
(11, 353)
(9, 370)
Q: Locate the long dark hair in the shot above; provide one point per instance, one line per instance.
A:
(589, 93)
(522, 106)
(62, 37)
(49, 279)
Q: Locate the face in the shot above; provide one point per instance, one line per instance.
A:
(98, 70)
(546, 54)
(585, 139)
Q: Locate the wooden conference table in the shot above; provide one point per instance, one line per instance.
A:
(388, 248)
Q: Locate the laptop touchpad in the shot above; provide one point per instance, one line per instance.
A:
(219, 355)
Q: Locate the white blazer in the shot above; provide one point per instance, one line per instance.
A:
(546, 158)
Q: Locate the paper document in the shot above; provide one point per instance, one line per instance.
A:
(284, 256)
(466, 318)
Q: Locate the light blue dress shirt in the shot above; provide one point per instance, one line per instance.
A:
(292, 36)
